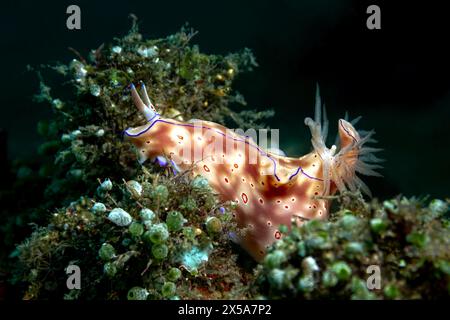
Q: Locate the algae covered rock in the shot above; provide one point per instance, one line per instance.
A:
(118, 260)
(404, 242)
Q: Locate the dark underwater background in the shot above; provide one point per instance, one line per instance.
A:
(397, 78)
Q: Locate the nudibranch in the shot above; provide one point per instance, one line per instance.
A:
(269, 189)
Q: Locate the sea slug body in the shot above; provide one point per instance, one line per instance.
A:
(270, 189)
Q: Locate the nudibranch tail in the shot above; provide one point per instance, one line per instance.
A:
(339, 167)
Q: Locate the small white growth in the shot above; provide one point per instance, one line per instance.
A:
(309, 265)
(438, 206)
(95, 90)
(106, 185)
(58, 104)
(148, 224)
(148, 52)
(79, 70)
(75, 134)
(135, 186)
(100, 133)
(120, 217)
(66, 137)
(98, 207)
(116, 49)
(147, 214)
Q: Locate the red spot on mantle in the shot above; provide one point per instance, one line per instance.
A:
(244, 198)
